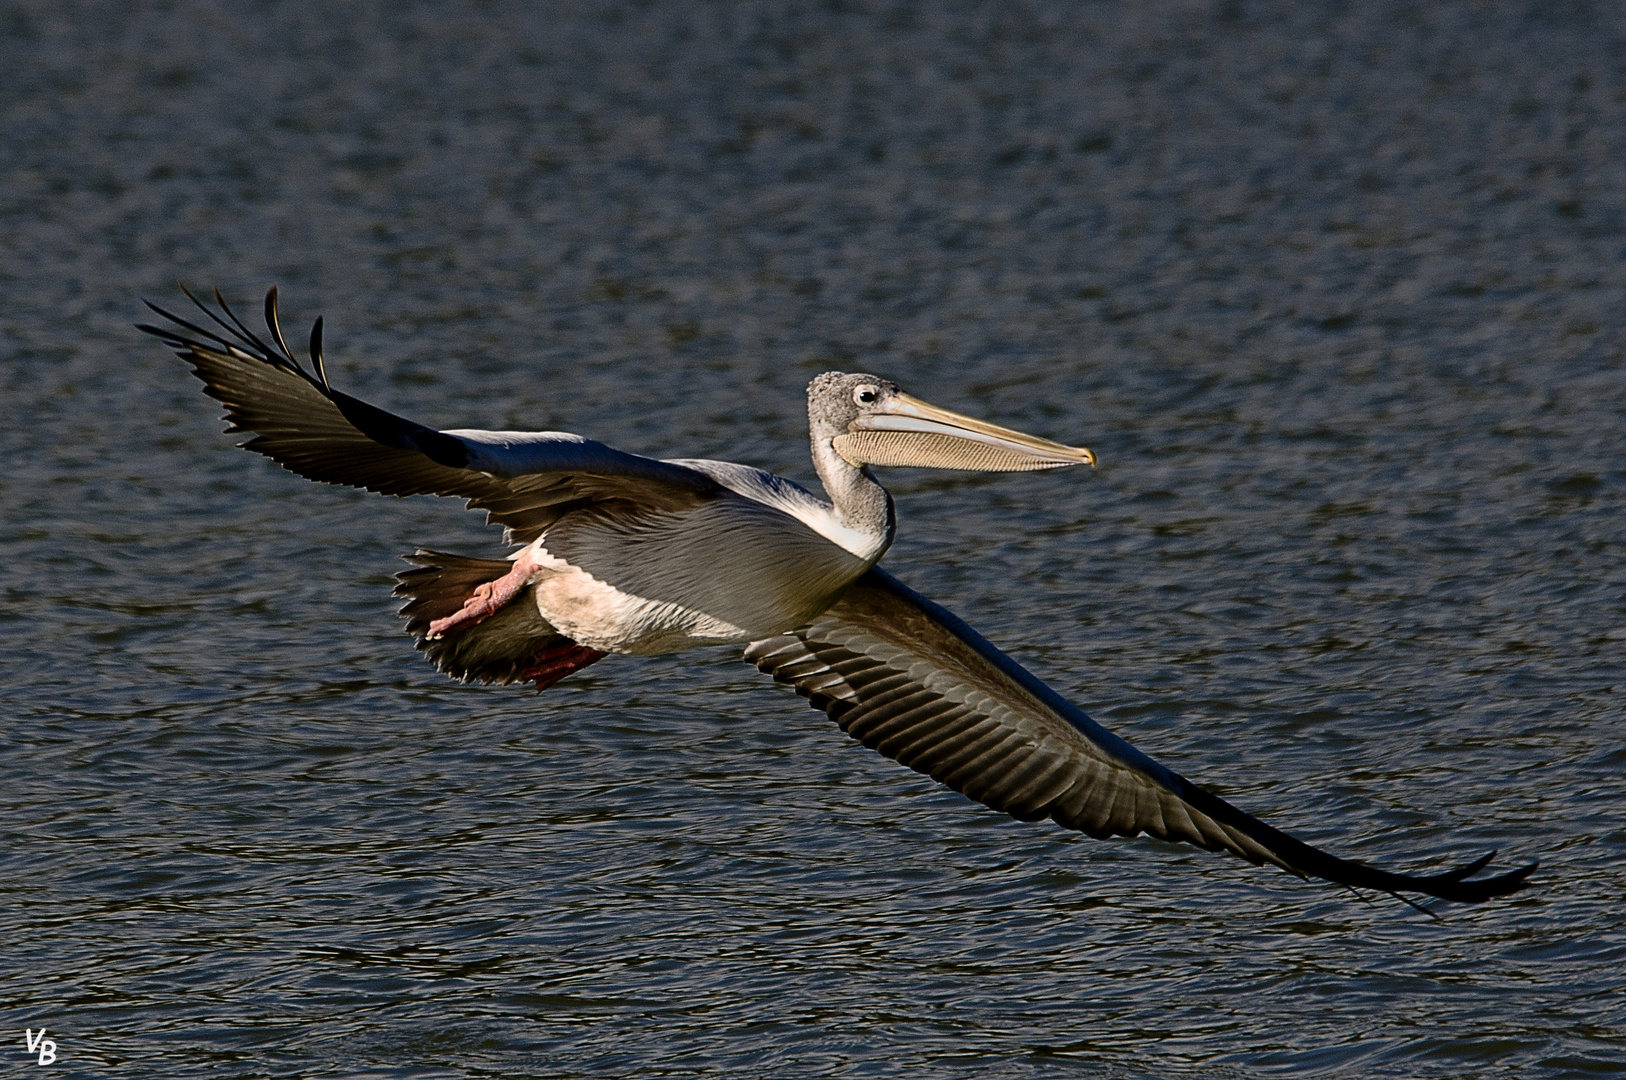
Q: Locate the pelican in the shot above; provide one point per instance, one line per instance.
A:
(617, 553)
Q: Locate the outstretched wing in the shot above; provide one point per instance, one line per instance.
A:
(524, 480)
(909, 679)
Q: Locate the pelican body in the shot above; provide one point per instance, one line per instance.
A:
(618, 553)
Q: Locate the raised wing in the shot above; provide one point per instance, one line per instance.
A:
(523, 480)
(909, 679)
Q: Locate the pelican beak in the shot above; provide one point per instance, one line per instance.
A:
(904, 430)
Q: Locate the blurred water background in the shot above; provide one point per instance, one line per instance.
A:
(1335, 291)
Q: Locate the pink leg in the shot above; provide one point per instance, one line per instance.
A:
(557, 661)
(485, 600)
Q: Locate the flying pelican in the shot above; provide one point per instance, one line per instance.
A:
(618, 553)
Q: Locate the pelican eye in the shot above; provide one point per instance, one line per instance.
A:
(866, 395)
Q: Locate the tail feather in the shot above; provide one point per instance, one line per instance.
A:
(497, 650)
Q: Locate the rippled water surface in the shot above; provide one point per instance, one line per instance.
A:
(1335, 291)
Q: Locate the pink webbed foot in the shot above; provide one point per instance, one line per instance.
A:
(488, 598)
(555, 662)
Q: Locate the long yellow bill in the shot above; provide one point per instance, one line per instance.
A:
(907, 431)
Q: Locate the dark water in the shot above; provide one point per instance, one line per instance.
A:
(1335, 291)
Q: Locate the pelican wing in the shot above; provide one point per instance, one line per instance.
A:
(524, 480)
(909, 679)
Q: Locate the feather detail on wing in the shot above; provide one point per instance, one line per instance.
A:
(907, 678)
(523, 480)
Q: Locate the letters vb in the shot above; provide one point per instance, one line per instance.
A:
(41, 1045)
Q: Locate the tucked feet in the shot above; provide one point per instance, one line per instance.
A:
(486, 599)
(557, 661)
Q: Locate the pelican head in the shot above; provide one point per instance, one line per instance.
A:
(867, 420)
